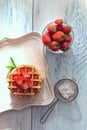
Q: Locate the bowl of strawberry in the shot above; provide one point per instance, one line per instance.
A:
(57, 36)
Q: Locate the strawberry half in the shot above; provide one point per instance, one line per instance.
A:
(15, 77)
(24, 86)
(24, 73)
(18, 79)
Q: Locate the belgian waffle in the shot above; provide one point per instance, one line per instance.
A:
(35, 78)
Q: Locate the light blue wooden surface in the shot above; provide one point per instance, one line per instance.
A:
(23, 16)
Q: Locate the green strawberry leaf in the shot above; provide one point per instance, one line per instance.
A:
(8, 67)
(12, 62)
(11, 66)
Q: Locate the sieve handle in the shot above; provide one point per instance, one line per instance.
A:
(47, 113)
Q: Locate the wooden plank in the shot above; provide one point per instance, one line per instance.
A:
(16, 120)
(72, 64)
(15, 21)
(16, 18)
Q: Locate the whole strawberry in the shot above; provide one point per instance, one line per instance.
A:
(66, 29)
(58, 21)
(52, 28)
(68, 37)
(59, 27)
(54, 46)
(58, 36)
(46, 39)
(65, 46)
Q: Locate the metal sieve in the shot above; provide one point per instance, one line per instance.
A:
(72, 85)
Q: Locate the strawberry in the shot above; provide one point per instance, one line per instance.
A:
(15, 77)
(18, 79)
(59, 27)
(22, 80)
(65, 46)
(66, 29)
(24, 86)
(28, 81)
(48, 34)
(52, 28)
(58, 21)
(46, 39)
(68, 37)
(24, 73)
(54, 46)
(58, 36)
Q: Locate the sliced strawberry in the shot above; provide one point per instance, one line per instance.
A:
(28, 81)
(58, 21)
(66, 29)
(59, 36)
(19, 79)
(24, 86)
(15, 77)
(52, 28)
(46, 39)
(24, 73)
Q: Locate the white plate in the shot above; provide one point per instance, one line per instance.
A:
(27, 49)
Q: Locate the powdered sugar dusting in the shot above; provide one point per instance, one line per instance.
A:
(66, 90)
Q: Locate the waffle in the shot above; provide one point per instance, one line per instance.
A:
(35, 78)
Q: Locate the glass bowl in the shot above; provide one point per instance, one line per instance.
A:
(59, 50)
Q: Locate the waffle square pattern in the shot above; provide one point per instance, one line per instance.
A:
(24, 80)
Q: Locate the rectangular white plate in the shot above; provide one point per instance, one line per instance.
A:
(27, 49)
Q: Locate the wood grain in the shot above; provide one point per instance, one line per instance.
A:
(16, 120)
(16, 18)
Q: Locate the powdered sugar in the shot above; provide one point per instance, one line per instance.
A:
(66, 90)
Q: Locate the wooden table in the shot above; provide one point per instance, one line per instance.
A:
(23, 16)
